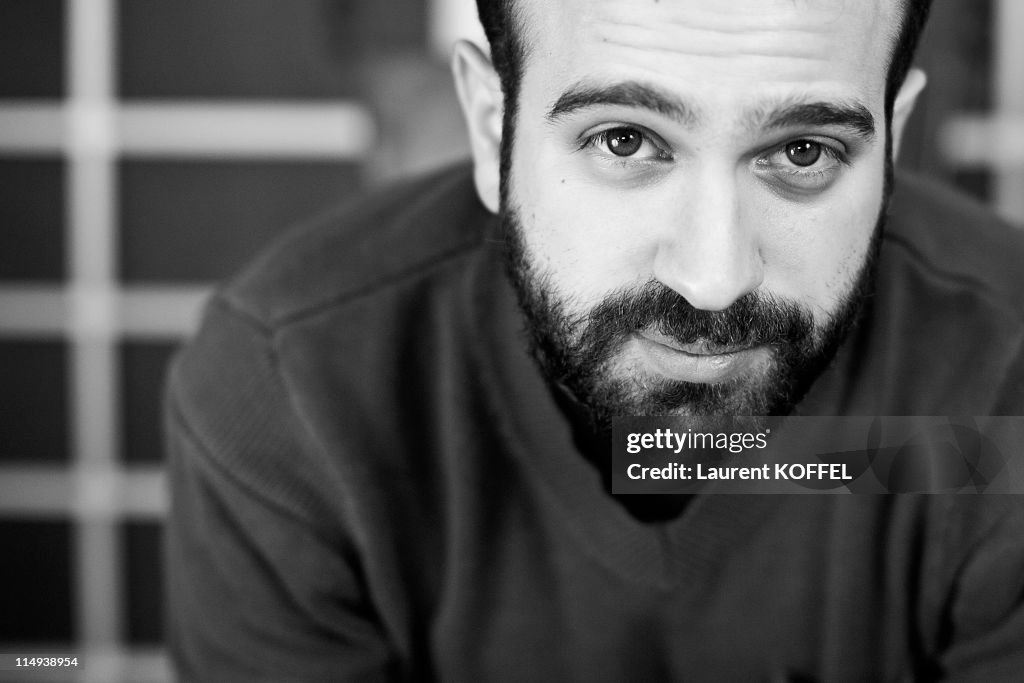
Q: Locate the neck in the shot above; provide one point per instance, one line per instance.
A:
(594, 443)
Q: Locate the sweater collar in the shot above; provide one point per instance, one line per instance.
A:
(548, 435)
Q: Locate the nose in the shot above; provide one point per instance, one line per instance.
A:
(709, 252)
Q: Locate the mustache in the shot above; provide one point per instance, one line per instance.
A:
(752, 320)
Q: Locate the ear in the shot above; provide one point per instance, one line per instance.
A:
(912, 86)
(479, 90)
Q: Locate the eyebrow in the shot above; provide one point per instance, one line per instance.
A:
(851, 115)
(790, 113)
(635, 95)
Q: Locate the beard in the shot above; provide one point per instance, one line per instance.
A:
(582, 351)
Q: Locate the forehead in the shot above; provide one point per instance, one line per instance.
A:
(711, 51)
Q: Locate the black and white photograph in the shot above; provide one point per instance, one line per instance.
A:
(511, 340)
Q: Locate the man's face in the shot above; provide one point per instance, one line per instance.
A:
(694, 191)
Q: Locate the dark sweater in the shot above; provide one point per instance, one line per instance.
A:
(372, 481)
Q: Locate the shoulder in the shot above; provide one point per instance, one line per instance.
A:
(295, 351)
(395, 232)
(954, 240)
(947, 331)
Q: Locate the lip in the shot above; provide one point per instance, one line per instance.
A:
(699, 362)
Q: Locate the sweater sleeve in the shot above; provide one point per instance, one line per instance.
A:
(263, 581)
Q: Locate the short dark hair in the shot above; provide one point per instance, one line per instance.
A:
(501, 21)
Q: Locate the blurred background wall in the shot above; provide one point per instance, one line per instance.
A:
(149, 147)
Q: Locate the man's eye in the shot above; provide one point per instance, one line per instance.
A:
(804, 155)
(625, 142)
(803, 152)
(804, 164)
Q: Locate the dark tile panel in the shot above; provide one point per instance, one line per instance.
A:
(143, 366)
(194, 221)
(36, 603)
(32, 218)
(32, 48)
(142, 570)
(977, 183)
(956, 54)
(258, 48)
(33, 403)
(370, 30)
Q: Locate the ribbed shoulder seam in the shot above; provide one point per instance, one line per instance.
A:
(964, 280)
(265, 338)
(414, 270)
(387, 237)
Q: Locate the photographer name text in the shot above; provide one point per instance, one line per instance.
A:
(778, 472)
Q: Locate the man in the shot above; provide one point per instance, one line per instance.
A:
(377, 475)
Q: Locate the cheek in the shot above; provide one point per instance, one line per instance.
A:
(815, 253)
(588, 239)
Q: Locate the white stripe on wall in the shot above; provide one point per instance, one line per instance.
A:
(91, 238)
(319, 130)
(159, 313)
(1009, 99)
